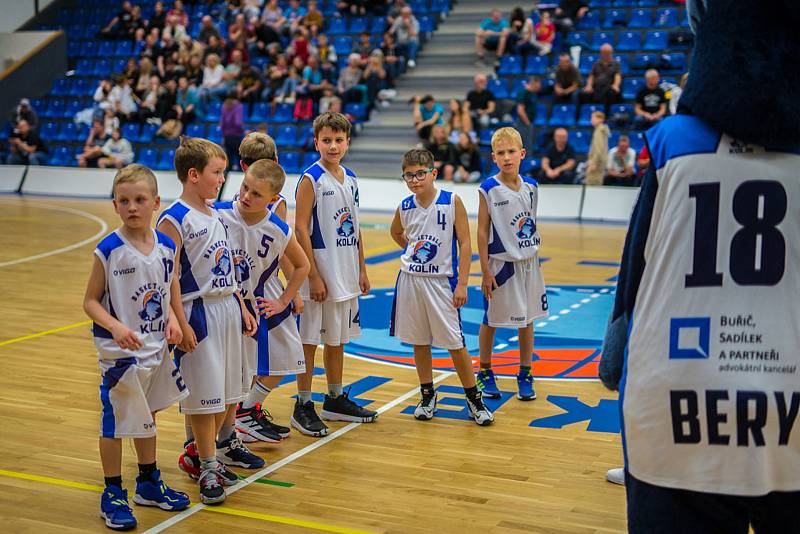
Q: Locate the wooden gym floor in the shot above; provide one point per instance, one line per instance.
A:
(397, 475)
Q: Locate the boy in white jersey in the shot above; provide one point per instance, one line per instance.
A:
(327, 228)
(259, 241)
(209, 356)
(431, 285)
(508, 245)
(128, 298)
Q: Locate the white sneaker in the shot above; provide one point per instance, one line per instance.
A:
(426, 408)
(411, 63)
(616, 476)
(479, 411)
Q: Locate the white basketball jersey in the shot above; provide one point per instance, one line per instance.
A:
(334, 232)
(137, 294)
(711, 390)
(256, 249)
(431, 248)
(272, 206)
(514, 236)
(206, 262)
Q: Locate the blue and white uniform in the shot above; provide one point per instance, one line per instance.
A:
(423, 312)
(136, 382)
(275, 349)
(334, 234)
(521, 296)
(213, 371)
(706, 324)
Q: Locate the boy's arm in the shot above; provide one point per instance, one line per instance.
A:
(95, 289)
(464, 252)
(305, 203)
(397, 231)
(189, 341)
(174, 333)
(488, 283)
(363, 280)
(298, 267)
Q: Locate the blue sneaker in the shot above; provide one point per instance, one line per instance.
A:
(487, 384)
(525, 385)
(232, 452)
(154, 492)
(115, 510)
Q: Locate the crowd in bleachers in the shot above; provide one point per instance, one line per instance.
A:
(146, 72)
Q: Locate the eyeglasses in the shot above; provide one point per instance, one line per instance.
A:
(418, 175)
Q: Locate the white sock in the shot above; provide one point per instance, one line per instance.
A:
(256, 395)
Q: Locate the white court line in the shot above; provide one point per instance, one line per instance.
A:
(95, 218)
(289, 459)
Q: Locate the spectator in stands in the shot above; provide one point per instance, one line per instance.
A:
(167, 99)
(152, 50)
(148, 99)
(538, 38)
(24, 112)
(621, 168)
(251, 8)
(326, 102)
(143, 77)
(214, 47)
(238, 29)
(118, 27)
(459, 121)
(207, 29)
(651, 102)
(349, 85)
(569, 12)
(480, 103)
(231, 123)
(248, 84)
(187, 105)
(110, 121)
(213, 85)
(363, 47)
(121, 97)
(597, 160)
(102, 93)
(374, 78)
(468, 160)
(445, 158)
(158, 19)
(300, 46)
(356, 8)
(117, 151)
(273, 16)
(313, 19)
(316, 80)
(194, 71)
(516, 25)
(264, 37)
(288, 91)
(603, 84)
(427, 114)
(93, 147)
(324, 50)
(406, 32)
(567, 81)
(26, 146)
(491, 35)
(527, 100)
(276, 74)
(294, 14)
(178, 12)
(676, 94)
(391, 55)
(137, 26)
(558, 164)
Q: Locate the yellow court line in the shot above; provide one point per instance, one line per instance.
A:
(46, 332)
(380, 250)
(218, 509)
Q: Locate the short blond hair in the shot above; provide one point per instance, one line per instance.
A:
(256, 146)
(134, 173)
(599, 114)
(268, 172)
(507, 134)
(335, 121)
(195, 153)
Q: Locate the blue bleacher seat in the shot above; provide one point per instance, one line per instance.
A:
(578, 39)
(89, 49)
(440, 6)
(166, 159)
(62, 157)
(358, 24)
(259, 62)
(629, 41)
(648, 3)
(624, 63)
(85, 67)
(637, 141)
(215, 133)
(666, 18)
(48, 130)
(562, 115)
(67, 132)
(107, 49)
(585, 116)
(599, 3)
(357, 110)
(601, 38)
(130, 131)
(73, 107)
(343, 45)
(614, 18)
(286, 136)
(536, 65)
(613, 139)
(337, 26)
(510, 66)
(147, 133)
(102, 67)
(655, 40)
(530, 166)
(213, 111)
(580, 141)
(485, 137)
(53, 109)
(676, 61)
(82, 133)
(641, 18)
(624, 3)
(645, 61)
(118, 65)
(378, 25)
(60, 87)
(73, 47)
(590, 21)
(81, 87)
(290, 161)
(427, 24)
(148, 157)
(631, 86)
(516, 86)
(618, 111)
(309, 158)
(196, 129)
(541, 115)
(283, 113)
(498, 87)
(124, 49)
(586, 62)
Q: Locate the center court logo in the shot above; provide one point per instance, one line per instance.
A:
(151, 306)
(526, 228)
(223, 262)
(345, 226)
(424, 251)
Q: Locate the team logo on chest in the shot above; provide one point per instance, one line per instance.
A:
(222, 262)
(424, 252)
(525, 230)
(345, 228)
(243, 264)
(151, 306)
(151, 297)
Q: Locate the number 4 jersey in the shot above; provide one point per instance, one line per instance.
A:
(709, 283)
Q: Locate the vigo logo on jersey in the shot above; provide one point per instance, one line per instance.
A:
(345, 228)
(152, 308)
(424, 252)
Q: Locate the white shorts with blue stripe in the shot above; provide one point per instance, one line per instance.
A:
(521, 296)
(423, 312)
(275, 349)
(130, 392)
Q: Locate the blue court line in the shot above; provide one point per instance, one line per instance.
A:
(599, 263)
(578, 365)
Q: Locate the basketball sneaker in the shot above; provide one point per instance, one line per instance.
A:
(189, 460)
(616, 476)
(306, 420)
(525, 391)
(487, 384)
(153, 492)
(426, 408)
(479, 411)
(341, 408)
(232, 452)
(211, 489)
(253, 423)
(115, 510)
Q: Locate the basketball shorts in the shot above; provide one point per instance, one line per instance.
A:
(275, 349)
(130, 392)
(423, 312)
(330, 323)
(520, 297)
(213, 371)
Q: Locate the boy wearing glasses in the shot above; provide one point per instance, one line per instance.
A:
(431, 286)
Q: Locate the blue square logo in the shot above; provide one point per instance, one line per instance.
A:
(689, 338)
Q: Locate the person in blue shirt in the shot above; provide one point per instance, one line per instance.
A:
(427, 114)
(491, 35)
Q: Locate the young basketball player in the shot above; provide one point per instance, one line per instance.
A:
(431, 285)
(327, 228)
(259, 239)
(128, 298)
(508, 245)
(209, 356)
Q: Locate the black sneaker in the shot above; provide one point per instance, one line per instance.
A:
(232, 452)
(478, 410)
(253, 423)
(211, 490)
(306, 420)
(282, 431)
(341, 408)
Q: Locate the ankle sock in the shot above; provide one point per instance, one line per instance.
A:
(256, 396)
(146, 470)
(304, 396)
(524, 370)
(426, 389)
(335, 390)
(114, 481)
(225, 433)
(472, 392)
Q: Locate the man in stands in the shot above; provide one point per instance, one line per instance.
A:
(558, 164)
(480, 103)
(651, 102)
(568, 81)
(24, 112)
(26, 146)
(491, 35)
(603, 84)
(621, 167)
(569, 12)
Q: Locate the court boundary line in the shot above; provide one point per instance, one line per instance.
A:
(291, 458)
(103, 229)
